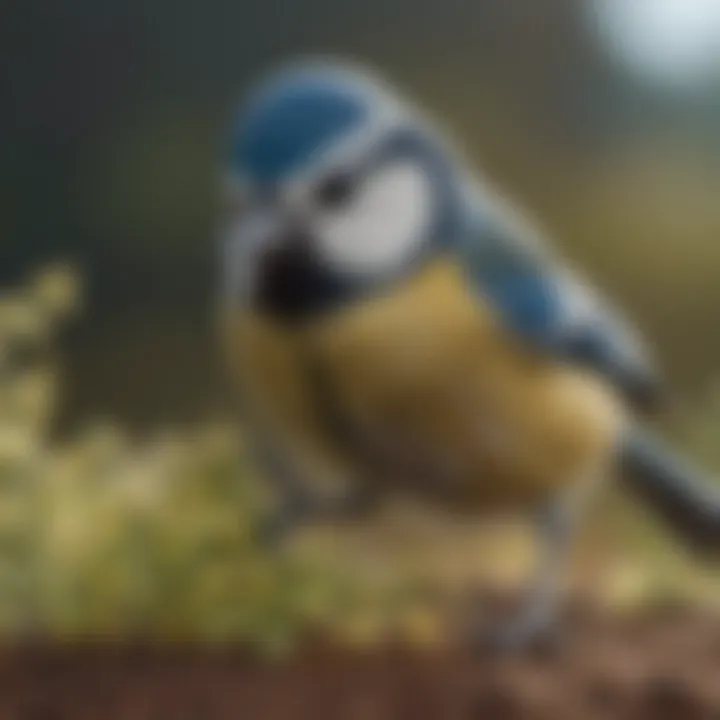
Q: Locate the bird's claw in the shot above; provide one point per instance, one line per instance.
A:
(524, 633)
(273, 529)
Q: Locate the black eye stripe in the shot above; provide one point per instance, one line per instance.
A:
(336, 190)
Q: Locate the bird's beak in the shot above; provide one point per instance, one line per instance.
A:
(243, 241)
(264, 258)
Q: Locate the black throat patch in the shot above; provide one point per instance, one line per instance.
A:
(294, 285)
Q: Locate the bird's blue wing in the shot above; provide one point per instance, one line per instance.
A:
(546, 305)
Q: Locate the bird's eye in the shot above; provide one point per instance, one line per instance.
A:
(335, 191)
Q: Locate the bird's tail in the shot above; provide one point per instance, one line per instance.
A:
(687, 501)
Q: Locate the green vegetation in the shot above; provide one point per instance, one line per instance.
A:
(104, 536)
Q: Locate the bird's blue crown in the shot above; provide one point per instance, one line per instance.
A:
(292, 115)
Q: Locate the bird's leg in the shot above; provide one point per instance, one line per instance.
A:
(536, 617)
(535, 621)
(299, 509)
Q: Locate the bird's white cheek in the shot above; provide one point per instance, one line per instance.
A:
(382, 227)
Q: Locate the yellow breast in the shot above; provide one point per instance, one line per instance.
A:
(430, 381)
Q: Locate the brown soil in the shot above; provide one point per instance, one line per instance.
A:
(659, 666)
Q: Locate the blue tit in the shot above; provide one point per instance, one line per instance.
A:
(393, 325)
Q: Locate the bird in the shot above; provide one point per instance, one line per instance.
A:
(392, 323)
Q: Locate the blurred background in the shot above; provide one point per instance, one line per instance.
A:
(126, 503)
(599, 116)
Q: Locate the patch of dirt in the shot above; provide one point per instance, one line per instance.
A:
(663, 665)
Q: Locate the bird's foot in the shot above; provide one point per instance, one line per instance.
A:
(526, 632)
(274, 528)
